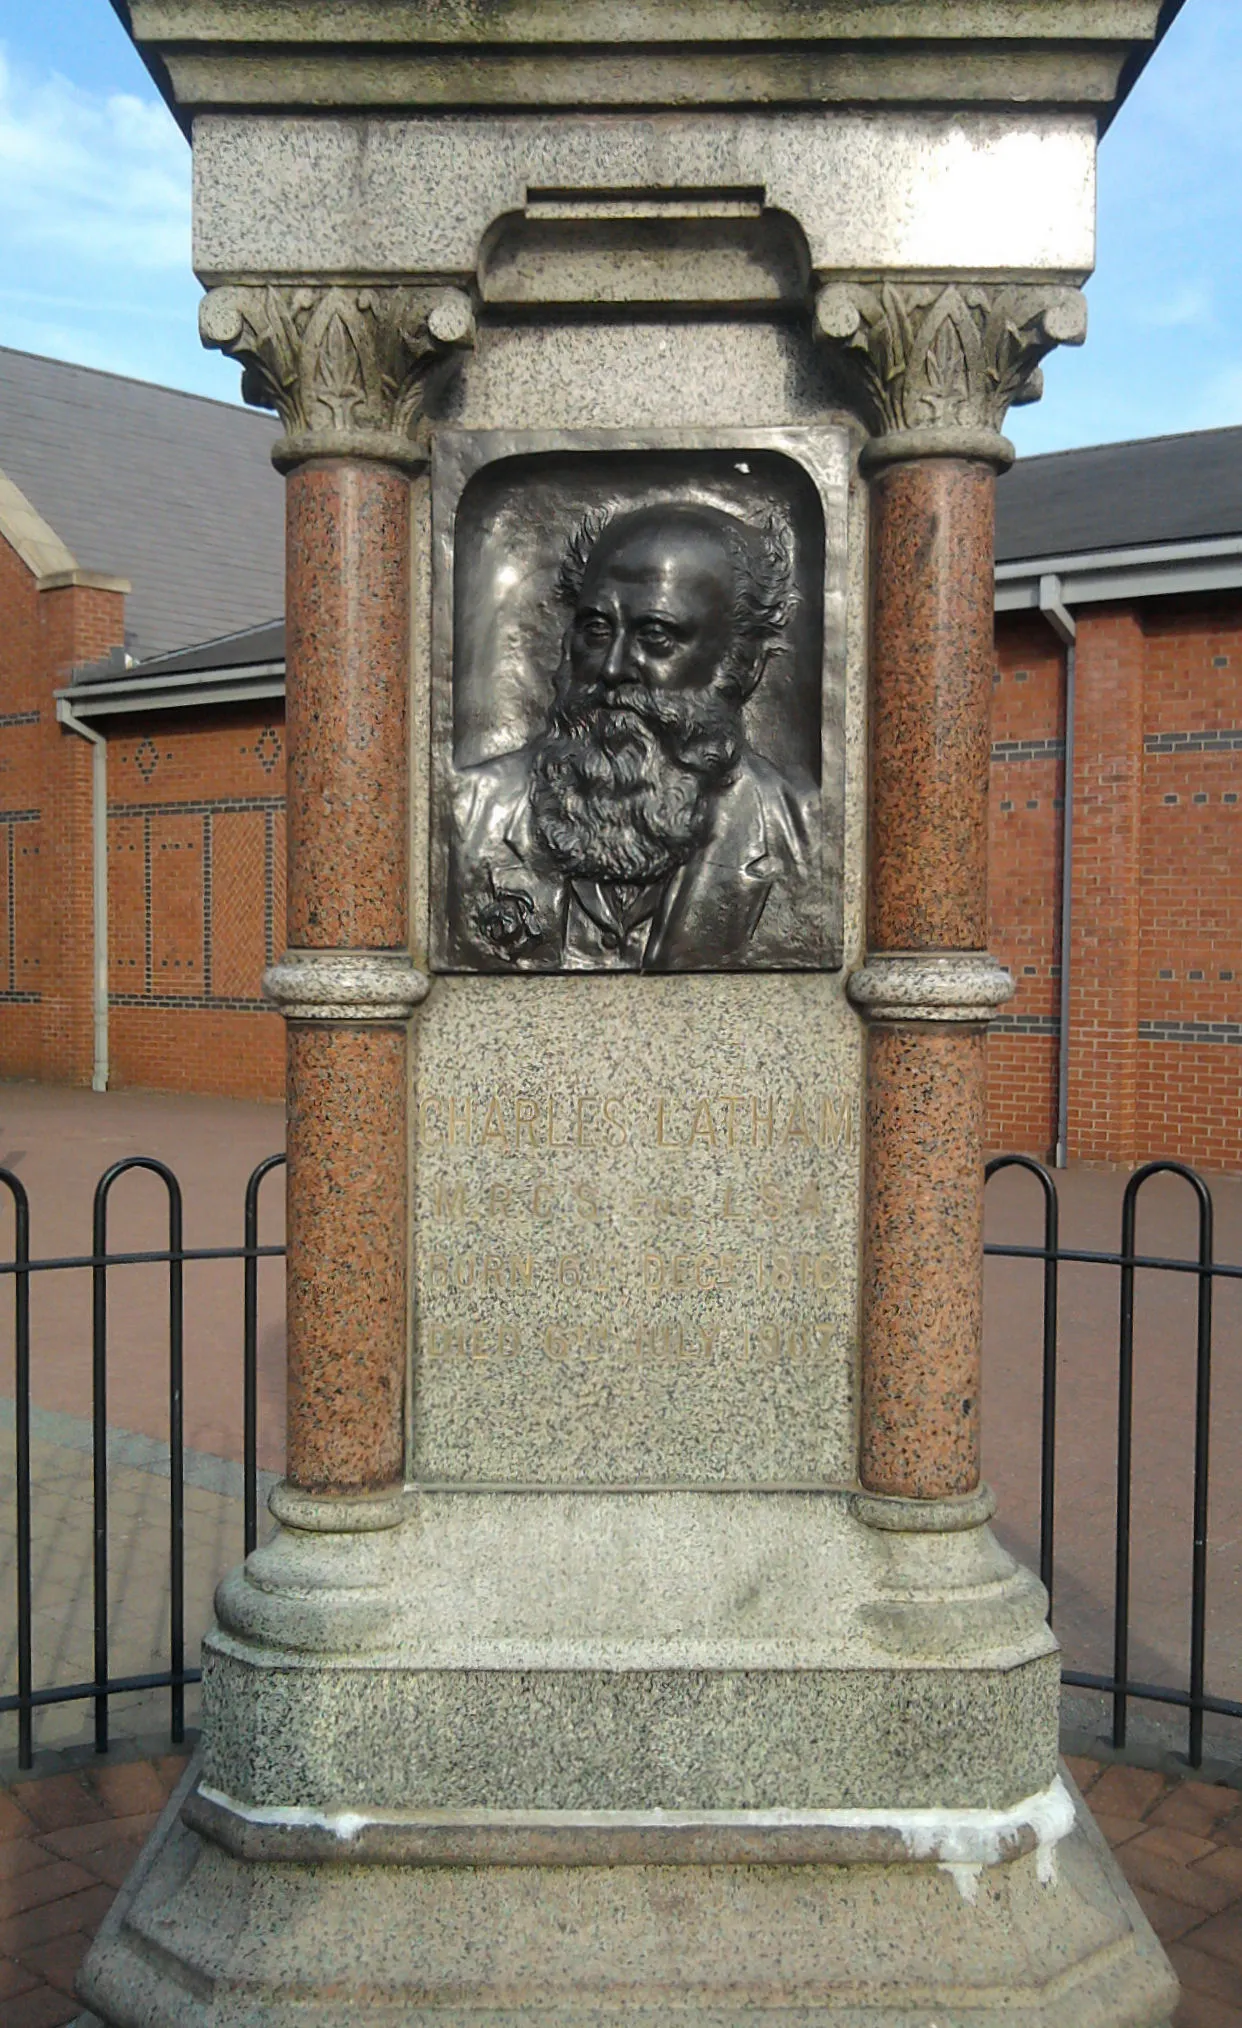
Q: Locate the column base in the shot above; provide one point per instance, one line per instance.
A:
(201, 1937)
(633, 1650)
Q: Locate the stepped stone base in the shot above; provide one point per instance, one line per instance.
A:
(203, 1938)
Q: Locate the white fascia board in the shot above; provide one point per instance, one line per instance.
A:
(178, 692)
(1160, 570)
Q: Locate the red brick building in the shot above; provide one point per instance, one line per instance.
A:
(133, 520)
(1117, 752)
(1119, 674)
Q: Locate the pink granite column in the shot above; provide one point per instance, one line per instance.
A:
(930, 366)
(348, 618)
(931, 660)
(349, 368)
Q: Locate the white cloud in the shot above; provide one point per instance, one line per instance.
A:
(1188, 303)
(102, 181)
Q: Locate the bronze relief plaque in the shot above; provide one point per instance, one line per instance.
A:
(638, 701)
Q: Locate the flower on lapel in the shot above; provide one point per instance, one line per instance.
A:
(506, 920)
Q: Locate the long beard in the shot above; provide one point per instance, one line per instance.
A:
(623, 780)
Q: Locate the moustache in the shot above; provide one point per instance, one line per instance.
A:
(701, 731)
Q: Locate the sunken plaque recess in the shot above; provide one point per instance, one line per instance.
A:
(638, 701)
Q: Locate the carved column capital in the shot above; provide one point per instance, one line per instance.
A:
(347, 369)
(931, 367)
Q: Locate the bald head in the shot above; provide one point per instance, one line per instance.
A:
(675, 596)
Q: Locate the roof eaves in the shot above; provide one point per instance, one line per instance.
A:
(1156, 570)
(187, 690)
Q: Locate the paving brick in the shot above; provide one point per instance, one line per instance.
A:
(1170, 1919)
(1221, 1937)
(81, 1840)
(14, 1979)
(58, 1960)
(1224, 1862)
(23, 1855)
(1197, 1807)
(86, 1911)
(44, 1883)
(58, 1800)
(169, 1769)
(130, 1788)
(1118, 1830)
(41, 2008)
(1085, 1772)
(14, 1823)
(1196, 2010)
(112, 1863)
(1189, 1884)
(1128, 1792)
(1182, 1848)
(1200, 1973)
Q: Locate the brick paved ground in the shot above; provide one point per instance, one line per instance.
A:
(1180, 1847)
(68, 1840)
(66, 1843)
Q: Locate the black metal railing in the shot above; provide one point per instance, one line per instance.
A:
(104, 1686)
(1119, 1685)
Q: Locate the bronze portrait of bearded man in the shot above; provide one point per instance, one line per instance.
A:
(639, 830)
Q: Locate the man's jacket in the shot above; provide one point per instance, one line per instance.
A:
(749, 895)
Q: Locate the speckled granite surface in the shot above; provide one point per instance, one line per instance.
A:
(931, 692)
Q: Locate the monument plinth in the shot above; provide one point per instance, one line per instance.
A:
(632, 1643)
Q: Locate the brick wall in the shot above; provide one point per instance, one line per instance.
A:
(46, 946)
(196, 869)
(1028, 782)
(196, 900)
(23, 688)
(1188, 1099)
(1156, 979)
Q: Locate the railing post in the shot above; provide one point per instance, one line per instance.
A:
(21, 1390)
(1048, 1391)
(250, 1352)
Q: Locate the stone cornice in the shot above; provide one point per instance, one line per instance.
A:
(208, 55)
(932, 367)
(348, 369)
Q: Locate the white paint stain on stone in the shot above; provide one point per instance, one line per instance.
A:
(961, 1842)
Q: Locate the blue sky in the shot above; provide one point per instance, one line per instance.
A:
(95, 217)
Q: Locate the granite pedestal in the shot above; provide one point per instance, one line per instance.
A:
(633, 1644)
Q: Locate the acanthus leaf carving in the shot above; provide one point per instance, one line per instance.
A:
(913, 357)
(348, 370)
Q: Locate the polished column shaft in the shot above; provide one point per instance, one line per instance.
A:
(348, 653)
(931, 660)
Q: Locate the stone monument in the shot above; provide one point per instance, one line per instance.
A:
(632, 1644)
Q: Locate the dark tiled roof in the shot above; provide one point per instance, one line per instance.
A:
(1113, 496)
(1121, 496)
(172, 491)
(253, 646)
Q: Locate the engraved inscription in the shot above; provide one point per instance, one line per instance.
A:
(742, 1225)
(516, 1123)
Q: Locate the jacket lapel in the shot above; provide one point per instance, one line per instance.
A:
(715, 900)
(522, 868)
